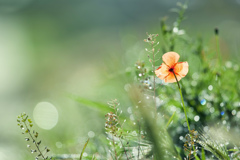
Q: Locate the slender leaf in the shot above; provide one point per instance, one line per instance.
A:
(203, 154)
(84, 149)
(104, 108)
(170, 120)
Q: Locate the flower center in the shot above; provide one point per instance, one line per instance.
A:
(171, 70)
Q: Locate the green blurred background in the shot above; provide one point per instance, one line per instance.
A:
(49, 48)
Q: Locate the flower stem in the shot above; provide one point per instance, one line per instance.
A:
(184, 108)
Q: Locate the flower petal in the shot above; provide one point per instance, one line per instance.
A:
(170, 58)
(162, 71)
(181, 69)
(171, 78)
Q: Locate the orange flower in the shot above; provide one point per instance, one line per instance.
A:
(170, 65)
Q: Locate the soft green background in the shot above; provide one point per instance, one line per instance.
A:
(49, 48)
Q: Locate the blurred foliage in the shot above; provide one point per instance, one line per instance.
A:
(211, 92)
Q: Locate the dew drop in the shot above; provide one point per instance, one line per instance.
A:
(196, 118)
(203, 101)
(221, 104)
(85, 154)
(234, 112)
(224, 122)
(175, 29)
(129, 110)
(210, 87)
(228, 64)
(212, 109)
(206, 128)
(222, 113)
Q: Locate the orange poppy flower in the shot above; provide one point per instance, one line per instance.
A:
(170, 65)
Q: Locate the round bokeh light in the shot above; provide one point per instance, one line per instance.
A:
(45, 115)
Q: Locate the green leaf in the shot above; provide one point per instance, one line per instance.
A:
(170, 120)
(203, 154)
(233, 150)
(104, 108)
(84, 149)
(196, 157)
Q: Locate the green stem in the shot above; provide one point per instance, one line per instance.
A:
(219, 58)
(184, 108)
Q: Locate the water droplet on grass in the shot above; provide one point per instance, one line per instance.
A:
(203, 101)
(221, 104)
(210, 87)
(234, 112)
(224, 122)
(196, 118)
(212, 109)
(222, 113)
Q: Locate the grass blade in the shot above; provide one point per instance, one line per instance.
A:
(104, 108)
(203, 154)
(170, 120)
(85, 145)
